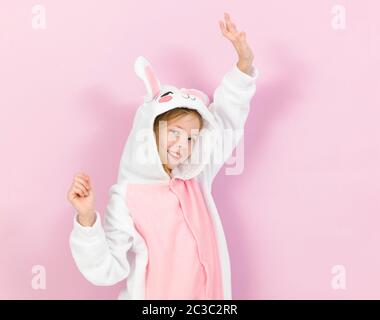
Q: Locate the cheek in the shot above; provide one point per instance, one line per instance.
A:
(187, 151)
(165, 99)
(169, 143)
(162, 144)
(170, 138)
(190, 147)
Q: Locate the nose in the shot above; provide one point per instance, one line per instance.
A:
(181, 141)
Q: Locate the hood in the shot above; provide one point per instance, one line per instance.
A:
(140, 161)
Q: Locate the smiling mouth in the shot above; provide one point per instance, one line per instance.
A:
(174, 154)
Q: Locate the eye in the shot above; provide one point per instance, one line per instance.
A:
(175, 132)
(166, 93)
(192, 97)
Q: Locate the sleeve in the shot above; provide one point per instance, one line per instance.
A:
(230, 108)
(101, 253)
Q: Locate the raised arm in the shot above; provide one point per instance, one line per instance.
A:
(239, 41)
(232, 98)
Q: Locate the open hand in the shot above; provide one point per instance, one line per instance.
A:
(239, 41)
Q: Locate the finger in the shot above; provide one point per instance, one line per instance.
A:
(83, 185)
(88, 180)
(222, 27)
(227, 18)
(79, 184)
(83, 175)
(225, 32)
(81, 188)
(77, 192)
(83, 181)
(230, 25)
(233, 27)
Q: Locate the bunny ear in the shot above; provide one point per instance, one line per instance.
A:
(201, 95)
(145, 72)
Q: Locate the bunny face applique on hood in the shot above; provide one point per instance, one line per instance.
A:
(140, 159)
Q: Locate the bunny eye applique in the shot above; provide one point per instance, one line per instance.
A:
(167, 97)
(187, 95)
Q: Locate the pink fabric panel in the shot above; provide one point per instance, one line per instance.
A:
(177, 228)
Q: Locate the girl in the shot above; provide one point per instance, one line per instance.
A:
(162, 232)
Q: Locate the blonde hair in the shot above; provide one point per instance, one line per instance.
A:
(174, 114)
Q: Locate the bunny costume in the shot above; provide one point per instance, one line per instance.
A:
(161, 233)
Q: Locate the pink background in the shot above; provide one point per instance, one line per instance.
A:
(308, 198)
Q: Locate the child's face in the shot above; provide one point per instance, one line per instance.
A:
(176, 139)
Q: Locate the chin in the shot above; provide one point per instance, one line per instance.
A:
(172, 165)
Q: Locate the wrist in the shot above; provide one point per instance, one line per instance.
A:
(245, 66)
(87, 220)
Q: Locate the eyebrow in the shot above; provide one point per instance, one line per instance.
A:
(177, 126)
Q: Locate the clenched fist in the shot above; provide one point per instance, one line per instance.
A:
(81, 196)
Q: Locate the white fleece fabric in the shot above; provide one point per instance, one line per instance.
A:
(109, 252)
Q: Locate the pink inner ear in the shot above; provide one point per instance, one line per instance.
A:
(198, 94)
(152, 80)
